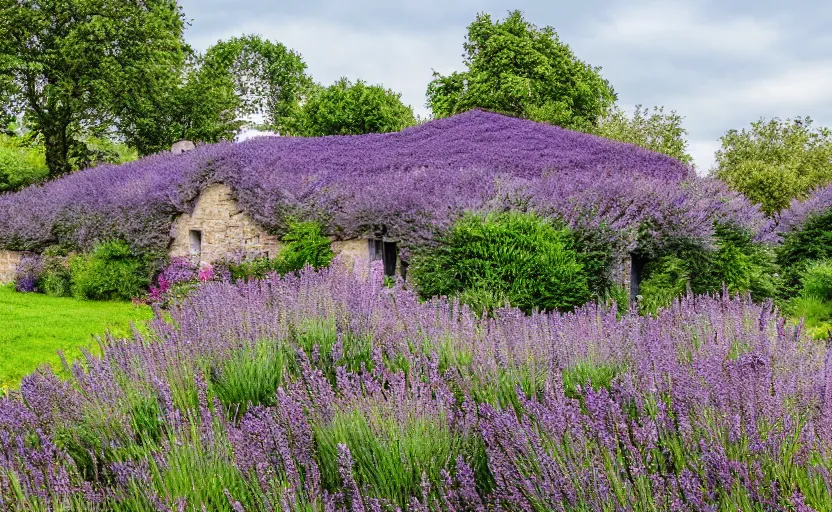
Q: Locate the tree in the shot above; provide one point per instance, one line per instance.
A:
(656, 130)
(218, 93)
(269, 78)
(202, 107)
(520, 70)
(775, 161)
(69, 64)
(345, 108)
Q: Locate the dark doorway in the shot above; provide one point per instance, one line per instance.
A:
(387, 252)
(637, 264)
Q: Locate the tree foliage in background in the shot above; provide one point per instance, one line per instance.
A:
(654, 130)
(518, 69)
(21, 163)
(347, 108)
(217, 93)
(268, 78)
(201, 106)
(69, 65)
(776, 161)
(508, 257)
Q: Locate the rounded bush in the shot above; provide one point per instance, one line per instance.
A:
(109, 272)
(515, 256)
(817, 280)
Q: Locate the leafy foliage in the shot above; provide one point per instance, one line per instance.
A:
(56, 277)
(654, 130)
(813, 303)
(70, 65)
(811, 241)
(816, 280)
(20, 164)
(346, 108)
(110, 272)
(518, 69)
(304, 244)
(217, 93)
(268, 78)
(519, 257)
(776, 161)
(736, 263)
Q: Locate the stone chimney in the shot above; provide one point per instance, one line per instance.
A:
(182, 146)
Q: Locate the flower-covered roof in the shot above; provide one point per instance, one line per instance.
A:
(409, 182)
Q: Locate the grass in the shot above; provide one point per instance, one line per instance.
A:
(34, 327)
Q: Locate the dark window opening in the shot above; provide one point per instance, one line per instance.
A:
(195, 238)
(637, 264)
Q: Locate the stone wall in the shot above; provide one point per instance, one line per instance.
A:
(354, 253)
(8, 265)
(226, 231)
(219, 229)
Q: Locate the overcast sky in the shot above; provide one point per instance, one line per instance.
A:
(720, 64)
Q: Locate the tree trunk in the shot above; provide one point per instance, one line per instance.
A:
(57, 146)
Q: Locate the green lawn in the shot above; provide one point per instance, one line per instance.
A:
(34, 327)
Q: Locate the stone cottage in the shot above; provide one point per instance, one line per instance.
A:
(217, 229)
(393, 185)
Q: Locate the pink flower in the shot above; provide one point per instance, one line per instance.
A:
(206, 273)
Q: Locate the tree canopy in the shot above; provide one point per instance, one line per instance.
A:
(70, 64)
(518, 69)
(346, 108)
(776, 161)
(654, 130)
(218, 92)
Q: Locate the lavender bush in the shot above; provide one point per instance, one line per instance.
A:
(797, 214)
(407, 184)
(28, 273)
(326, 391)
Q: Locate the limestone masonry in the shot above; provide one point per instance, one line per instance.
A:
(8, 264)
(218, 228)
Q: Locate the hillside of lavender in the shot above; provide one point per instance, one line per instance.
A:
(332, 391)
(415, 182)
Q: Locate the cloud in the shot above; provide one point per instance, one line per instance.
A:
(662, 27)
(402, 61)
(702, 152)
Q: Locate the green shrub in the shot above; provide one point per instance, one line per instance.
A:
(305, 244)
(736, 262)
(815, 313)
(816, 280)
(110, 272)
(799, 248)
(521, 257)
(56, 278)
(256, 268)
(666, 279)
